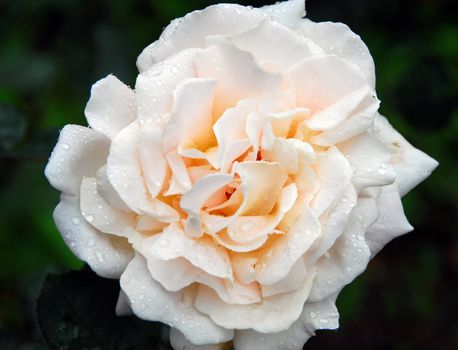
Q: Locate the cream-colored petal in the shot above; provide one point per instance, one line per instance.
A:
(350, 254)
(370, 159)
(154, 87)
(192, 29)
(283, 45)
(264, 182)
(319, 315)
(339, 40)
(333, 174)
(391, 221)
(248, 228)
(149, 301)
(412, 166)
(191, 117)
(107, 191)
(324, 80)
(125, 174)
(243, 267)
(107, 255)
(111, 107)
(180, 177)
(273, 314)
(203, 253)
(288, 13)
(179, 342)
(193, 200)
(153, 160)
(230, 130)
(277, 261)
(293, 281)
(79, 152)
(333, 222)
(237, 73)
(101, 215)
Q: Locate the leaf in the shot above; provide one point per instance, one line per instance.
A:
(77, 311)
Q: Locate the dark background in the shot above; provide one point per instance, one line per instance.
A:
(52, 51)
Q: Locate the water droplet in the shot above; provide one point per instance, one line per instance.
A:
(65, 146)
(313, 314)
(89, 217)
(76, 220)
(99, 256)
(324, 321)
(382, 170)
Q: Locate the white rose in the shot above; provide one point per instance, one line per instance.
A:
(243, 183)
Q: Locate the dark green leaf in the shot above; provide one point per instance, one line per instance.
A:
(77, 311)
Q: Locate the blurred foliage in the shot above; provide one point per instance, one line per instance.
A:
(51, 51)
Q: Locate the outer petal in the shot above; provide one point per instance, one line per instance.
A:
(412, 166)
(111, 106)
(391, 222)
(79, 152)
(339, 40)
(179, 342)
(283, 46)
(349, 256)
(370, 159)
(288, 13)
(107, 255)
(275, 264)
(192, 29)
(272, 314)
(319, 315)
(99, 214)
(151, 302)
(322, 81)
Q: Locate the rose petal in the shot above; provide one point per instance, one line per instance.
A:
(275, 264)
(412, 166)
(79, 152)
(261, 195)
(194, 199)
(111, 107)
(334, 174)
(293, 281)
(151, 302)
(204, 254)
(272, 314)
(125, 174)
(391, 221)
(319, 315)
(101, 215)
(286, 12)
(154, 87)
(122, 305)
(349, 256)
(237, 73)
(179, 342)
(192, 29)
(316, 84)
(107, 191)
(284, 46)
(370, 160)
(339, 40)
(193, 104)
(107, 255)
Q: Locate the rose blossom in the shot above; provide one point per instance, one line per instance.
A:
(243, 183)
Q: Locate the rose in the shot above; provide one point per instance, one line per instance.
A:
(245, 181)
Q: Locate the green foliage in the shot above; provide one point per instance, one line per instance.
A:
(77, 311)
